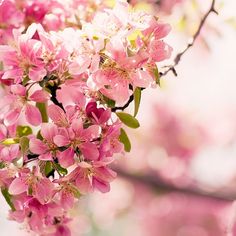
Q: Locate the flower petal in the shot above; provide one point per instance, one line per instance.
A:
(90, 151)
(33, 115)
(18, 186)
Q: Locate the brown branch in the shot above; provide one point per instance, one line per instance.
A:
(157, 183)
(194, 38)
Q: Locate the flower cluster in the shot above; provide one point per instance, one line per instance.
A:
(62, 80)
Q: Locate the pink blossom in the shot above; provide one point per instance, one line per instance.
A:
(46, 149)
(88, 178)
(25, 59)
(78, 137)
(16, 103)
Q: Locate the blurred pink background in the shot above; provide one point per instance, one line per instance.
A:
(187, 137)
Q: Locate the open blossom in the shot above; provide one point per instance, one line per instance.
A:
(19, 101)
(24, 59)
(46, 149)
(66, 67)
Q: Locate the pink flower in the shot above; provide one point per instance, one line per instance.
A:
(16, 104)
(78, 137)
(112, 83)
(110, 143)
(87, 178)
(46, 149)
(9, 153)
(25, 59)
(40, 188)
(159, 50)
(98, 115)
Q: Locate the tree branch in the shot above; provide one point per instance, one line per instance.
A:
(194, 38)
(157, 183)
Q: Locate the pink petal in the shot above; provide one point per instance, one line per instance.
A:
(105, 116)
(18, 186)
(161, 31)
(142, 79)
(18, 89)
(83, 185)
(92, 132)
(61, 140)
(37, 74)
(79, 65)
(57, 115)
(77, 126)
(33, 115)
(3, 131)
(66, 158)
(102, 186)
(105, 174)
(49, 131)
(14, 151)
(39, 96)
(43, 190)
(36, 146)
(46, 156)
(12, 116)
(90, 151)
(67, 200)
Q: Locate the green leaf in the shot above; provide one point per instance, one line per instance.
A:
(137, 100)
(23, 131)
(60, 169)
(128, 120)
(24, 145)
(25, 80)
(125, 140)
(7, 197)
(156, 75)
(30, 191)
(2, 165)
(39, 136)
(43, 111)
(10, 141)
(48, 168)
(110, 103)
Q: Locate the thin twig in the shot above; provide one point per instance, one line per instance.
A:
(194, 38)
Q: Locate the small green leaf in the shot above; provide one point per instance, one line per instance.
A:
(48, 168)
(24, 145)
(25, 80)
(110, 103)
(125, 140)
(30, 190)
(137, 100)
(43, 111)
(7, 197)
(10, 141)
(60, 169)
(128, 120)
(23, 131)
(157, 76)
(39, 136)
(2, 165)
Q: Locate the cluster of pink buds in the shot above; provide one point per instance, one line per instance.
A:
(62, 86)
